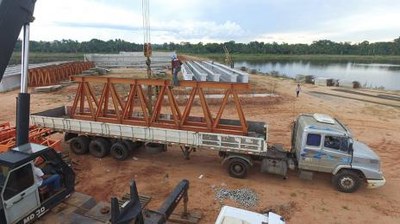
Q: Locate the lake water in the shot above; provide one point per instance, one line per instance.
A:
(373, 75)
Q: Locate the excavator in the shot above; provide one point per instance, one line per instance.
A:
(22, 199)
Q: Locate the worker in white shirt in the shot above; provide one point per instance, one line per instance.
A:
(42, 179)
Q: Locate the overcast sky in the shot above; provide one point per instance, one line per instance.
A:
(289, 21)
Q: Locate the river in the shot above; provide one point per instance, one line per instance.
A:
(369, 75)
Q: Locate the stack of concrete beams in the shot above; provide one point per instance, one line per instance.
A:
(12, 75)
(212, 71)
(198, 73)
(130, 59)
(212, 75)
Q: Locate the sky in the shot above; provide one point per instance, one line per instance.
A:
(242, 21)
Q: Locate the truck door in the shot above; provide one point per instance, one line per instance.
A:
(20, 193)
(310, 153)
(335, 152)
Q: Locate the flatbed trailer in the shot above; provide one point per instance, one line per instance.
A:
(57, 119)
(240, 152)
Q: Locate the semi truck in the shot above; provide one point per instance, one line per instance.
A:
(320, 143)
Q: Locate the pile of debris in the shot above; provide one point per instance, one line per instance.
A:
(243, 196)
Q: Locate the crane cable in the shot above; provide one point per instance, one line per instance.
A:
(147, 50)
(146, 28)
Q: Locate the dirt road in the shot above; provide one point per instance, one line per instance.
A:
(374, 120)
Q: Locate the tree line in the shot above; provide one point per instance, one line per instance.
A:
(317, 47)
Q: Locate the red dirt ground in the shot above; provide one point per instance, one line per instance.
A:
(299, 201)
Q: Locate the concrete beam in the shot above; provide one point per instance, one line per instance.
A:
(226, 76)
(242, 76)
(198, 74)
(211, 75)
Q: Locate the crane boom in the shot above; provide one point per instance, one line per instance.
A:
(13, 15)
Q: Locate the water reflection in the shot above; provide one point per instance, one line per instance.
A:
(371, 75)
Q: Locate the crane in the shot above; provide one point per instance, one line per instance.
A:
(228, 58)
(147, 49)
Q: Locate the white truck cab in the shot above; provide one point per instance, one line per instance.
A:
(322, 143)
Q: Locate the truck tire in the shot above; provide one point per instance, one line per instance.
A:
(132, 146)
(347, 181)
(238, 168)
(99, 147)
(79, 145)
(119, 151)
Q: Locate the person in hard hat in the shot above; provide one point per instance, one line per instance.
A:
(176, 68)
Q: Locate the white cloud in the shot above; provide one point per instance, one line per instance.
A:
(216, 21)
(84, 20)
(292, 37)
(359, 27)
(200, 30)
(67, 20)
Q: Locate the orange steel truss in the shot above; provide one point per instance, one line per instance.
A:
(36, 135)
(131, 107)
(53, 74)
(6, 131)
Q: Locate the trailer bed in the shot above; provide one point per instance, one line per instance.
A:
(58, 120)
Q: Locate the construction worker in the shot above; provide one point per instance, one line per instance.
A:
(52, 180)
(176, 68)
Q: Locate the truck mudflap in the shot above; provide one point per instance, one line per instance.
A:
(375, 183)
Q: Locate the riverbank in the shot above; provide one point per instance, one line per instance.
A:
(313, 58)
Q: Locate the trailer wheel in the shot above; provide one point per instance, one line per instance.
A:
(79, 145)
(131, 145)
(119, 151)
(238, 168)
(99, 147)
(346, 181)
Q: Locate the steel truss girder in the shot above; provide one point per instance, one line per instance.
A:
(53, 74)
(111, 106)
(36, 135)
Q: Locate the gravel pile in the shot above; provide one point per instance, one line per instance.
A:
(244, 196)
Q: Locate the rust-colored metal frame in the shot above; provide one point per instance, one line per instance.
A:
(36, 135)
(53, 74)
(110, 106)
